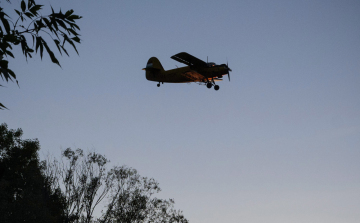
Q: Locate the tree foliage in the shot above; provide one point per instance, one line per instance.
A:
(25, 193)
(82, 180)
(126, 196)
(74, 188)
(31, 26)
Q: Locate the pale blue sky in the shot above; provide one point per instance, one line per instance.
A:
(279, 143)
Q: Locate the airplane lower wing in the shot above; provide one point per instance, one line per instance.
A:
(193, 76)
(196, 77)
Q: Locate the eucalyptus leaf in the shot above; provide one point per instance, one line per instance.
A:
(23, 6)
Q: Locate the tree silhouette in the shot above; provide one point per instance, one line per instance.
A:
(70, 189)
(31, 25)
(25, 193)
(128, 197)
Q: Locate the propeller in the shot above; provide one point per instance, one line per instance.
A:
(228, 70)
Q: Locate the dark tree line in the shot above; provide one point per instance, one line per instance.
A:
(71, 188)
(25, 192)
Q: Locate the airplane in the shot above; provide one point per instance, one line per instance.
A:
(198, 71)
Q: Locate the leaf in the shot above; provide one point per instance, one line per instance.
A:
(7, 73)
(34, 9)
(29, 14)
(51, 54)
(57, 43)
(53, 22)
(6, 24)
(73, 32)
(17, 12)
(76, 26)
(2, 107)
(30, 3)
(38, 43)
(61, 23)
(4, 64)
(24, 45)
(36, 28)
(9, 53)
(3, 14)
(48, 24)
(23, 6)
(73, 17)
(63, 48)
(76, 39)
(66, 38)
(41, 50)
(69, 12)
(11, 73)
(40, 24)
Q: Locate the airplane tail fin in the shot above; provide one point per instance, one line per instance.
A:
(153, 67)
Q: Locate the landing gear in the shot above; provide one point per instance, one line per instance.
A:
(211, 83)
(159, 84)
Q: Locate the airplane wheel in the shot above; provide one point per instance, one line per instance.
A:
(209, 85)
(158, 84)
(216, 87)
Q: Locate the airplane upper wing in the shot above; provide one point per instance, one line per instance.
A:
(189, 60)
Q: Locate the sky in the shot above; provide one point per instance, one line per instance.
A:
(280, 142)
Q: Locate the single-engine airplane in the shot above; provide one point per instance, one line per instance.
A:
(199, 71)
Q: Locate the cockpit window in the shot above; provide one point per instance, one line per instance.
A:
(211, 64)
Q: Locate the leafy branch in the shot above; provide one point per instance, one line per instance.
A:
(60, 27)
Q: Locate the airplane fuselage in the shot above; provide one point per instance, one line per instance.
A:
(186, 74)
